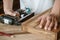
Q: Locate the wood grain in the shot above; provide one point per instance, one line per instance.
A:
(31, 24)
(10, 28)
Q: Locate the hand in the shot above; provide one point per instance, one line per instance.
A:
(12, 13)
(48, 22)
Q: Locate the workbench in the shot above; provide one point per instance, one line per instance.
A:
(21, 37)
(34, 34)
(32, 26)
(25, 36)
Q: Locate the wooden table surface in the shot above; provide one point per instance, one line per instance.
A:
(32, 26)
(28, 36)
(22, 37)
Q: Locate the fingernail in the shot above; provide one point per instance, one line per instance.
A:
(40, 26)
(49, 29)
(45, 28)
(55, 28)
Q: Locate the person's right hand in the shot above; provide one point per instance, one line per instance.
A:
(12, 13)
(48, 21)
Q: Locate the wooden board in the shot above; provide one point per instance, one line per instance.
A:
(21, 37)
(10, 28)
(27, 26)
(31, 24)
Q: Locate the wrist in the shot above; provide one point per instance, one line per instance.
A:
(55, 14)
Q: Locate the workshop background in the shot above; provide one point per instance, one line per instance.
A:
(16, 5)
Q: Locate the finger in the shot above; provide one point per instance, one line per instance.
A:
(56, 24)
(38, 21)
(16, 13)
(42, 23)
(47, 23)
(51, 25)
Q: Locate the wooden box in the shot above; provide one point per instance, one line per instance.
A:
(31, 24)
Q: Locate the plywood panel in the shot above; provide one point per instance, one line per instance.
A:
(31, 25)
(10, 28)
(21, 37)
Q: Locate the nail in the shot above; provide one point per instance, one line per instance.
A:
(40, 26)
(45, 28)
(55, 28)
(49, 29)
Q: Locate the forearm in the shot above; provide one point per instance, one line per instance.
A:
(8, 5)
(56, 8)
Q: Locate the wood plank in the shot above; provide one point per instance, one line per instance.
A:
(10, 28)
(21, 37)
(31, 24)
(27, 26)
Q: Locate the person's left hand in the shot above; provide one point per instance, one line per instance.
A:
(48, 22)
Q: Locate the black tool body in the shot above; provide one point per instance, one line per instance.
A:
(14, 20)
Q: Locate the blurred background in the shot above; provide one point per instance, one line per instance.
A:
(16, 5)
